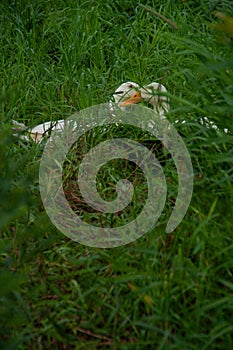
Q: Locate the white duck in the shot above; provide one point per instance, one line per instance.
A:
(126, 94)
(125, 91)
(37, 133)
(152, 94)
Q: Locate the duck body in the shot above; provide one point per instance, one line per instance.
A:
(126, 94)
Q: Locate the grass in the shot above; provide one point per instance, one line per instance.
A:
(163, 291)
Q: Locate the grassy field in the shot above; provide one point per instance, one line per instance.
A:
(163, 291)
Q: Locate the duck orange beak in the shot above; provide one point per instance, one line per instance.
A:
(132, 100)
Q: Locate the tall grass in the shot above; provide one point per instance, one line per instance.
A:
(164, 291)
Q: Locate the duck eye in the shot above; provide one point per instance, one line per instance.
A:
(118, 92)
